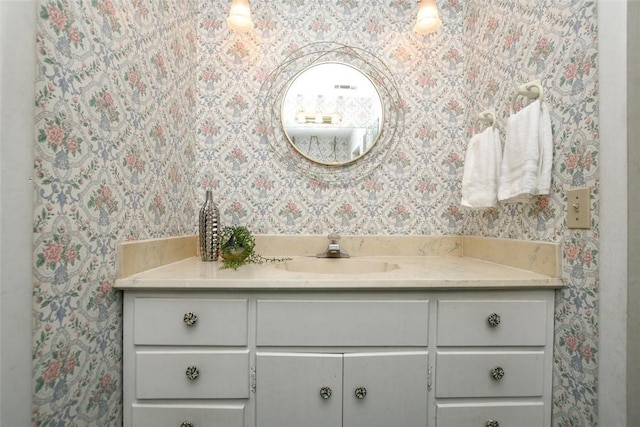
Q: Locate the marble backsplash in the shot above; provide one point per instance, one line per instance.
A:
(539, 257)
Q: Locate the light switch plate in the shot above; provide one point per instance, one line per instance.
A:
(579, 208)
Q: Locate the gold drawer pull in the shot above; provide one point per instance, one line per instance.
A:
(192, 372)
(497, 373)
(493, 320)
(190, 318)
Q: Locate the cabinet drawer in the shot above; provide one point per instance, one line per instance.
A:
(342, 323)
(163, 375)
(197, 415)
(528, 414)
(161, 321)
(513, 323)
(466, 374)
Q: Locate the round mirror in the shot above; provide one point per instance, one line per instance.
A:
(324, 66)
(332, 113)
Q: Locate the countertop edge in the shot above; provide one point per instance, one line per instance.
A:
(253, 287)
(414, 274)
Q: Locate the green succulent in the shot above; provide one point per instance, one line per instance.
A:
(238, 248)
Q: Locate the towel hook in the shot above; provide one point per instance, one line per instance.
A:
(485, 116)
(531, 90)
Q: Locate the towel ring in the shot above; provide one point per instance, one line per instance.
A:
(531, 90)
(485, 116)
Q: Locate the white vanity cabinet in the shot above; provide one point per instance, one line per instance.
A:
(494, 359)
(333, 390)
(280, 358)
(186, 360)
(340, 383)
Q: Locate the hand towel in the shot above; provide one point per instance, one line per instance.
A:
(482, 170)
(527, 156)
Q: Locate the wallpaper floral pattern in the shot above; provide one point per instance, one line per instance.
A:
(142, 105)
(511, 43)
(414, 192)
(484, 50)
(115, 110)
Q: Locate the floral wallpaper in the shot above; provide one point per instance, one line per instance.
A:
(510, 43)
(142, 105)
(115, 150)
(416, 191)
(475, 61)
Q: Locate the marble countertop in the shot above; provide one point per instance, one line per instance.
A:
(409, 273)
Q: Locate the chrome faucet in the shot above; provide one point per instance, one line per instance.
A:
(333, 250)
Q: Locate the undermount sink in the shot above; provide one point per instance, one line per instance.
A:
(337, 266)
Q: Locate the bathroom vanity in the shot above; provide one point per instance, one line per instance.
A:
(421, 341)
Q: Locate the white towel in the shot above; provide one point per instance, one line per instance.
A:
(527, 157)
(482, 170)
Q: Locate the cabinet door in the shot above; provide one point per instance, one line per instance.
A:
(395, 385)
(292, 390)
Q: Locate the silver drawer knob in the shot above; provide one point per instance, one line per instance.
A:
(360, 392)
(186, 424)
(497, 373)
(190, 318)
(192, 372)
(493, 423)
(325, 392)
(493, 320)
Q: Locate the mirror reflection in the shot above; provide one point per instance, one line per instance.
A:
(332, 113)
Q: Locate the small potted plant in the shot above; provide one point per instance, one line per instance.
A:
(236, 245)
(237, 248)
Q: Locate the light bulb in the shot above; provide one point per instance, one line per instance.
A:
(428, 20)
(240, 16)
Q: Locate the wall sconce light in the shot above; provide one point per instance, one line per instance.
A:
(428, 20)
(240, 16)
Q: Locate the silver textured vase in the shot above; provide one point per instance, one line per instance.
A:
(209, 228)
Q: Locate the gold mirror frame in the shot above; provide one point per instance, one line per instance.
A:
(273, 91)
(332, 113)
